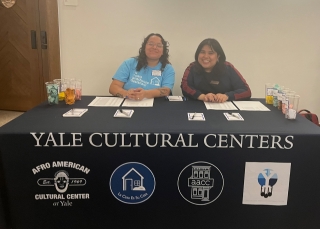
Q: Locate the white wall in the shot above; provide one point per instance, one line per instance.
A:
(267, 41)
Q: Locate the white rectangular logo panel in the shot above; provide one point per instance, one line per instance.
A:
(266, 183)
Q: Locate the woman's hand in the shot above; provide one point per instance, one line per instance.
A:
(221, 98)
(214, 98)
(210, 97)
(130, 94)
(138, 94)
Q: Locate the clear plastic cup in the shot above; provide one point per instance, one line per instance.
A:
(293, 104)
(52, 92)
(286, 104)
(269, 93)
(78, 89)
(60, 91)
(70, 96)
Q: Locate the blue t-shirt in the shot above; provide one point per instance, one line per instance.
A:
(147, 78)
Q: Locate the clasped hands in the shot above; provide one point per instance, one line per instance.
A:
(136, 94)
(215, 98)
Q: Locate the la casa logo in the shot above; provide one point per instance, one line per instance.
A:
(132, 183)
(61, 182)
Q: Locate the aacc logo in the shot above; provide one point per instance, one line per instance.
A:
(200, 183)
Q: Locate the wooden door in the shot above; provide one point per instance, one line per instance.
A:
(24, 65)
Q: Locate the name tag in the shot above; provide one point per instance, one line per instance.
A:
(214, 82)
(156, 72)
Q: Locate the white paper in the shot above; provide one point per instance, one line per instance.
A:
(250, 106)
(196, 117)
(106, 102)
(266, 183)
(220, 106)
(138, 103)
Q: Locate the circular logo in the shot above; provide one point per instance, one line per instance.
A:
(132, 183)
(200, 183)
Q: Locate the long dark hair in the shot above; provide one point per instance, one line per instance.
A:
(219, 68)
(142, 58)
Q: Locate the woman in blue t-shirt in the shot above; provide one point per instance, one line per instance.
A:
(148, 75)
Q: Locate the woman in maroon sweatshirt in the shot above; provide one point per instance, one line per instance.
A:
(211, 78)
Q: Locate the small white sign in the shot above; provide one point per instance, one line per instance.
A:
(175, 98)
(76, 112)
(233, 116)
(196, 117)
(120, 113)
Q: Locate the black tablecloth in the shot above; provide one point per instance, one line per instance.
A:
(174, 143)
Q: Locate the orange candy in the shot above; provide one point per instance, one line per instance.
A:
(70, 96)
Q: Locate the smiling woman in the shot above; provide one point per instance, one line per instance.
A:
(211, 78)
(148, 75)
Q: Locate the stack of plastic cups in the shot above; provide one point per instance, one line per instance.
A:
(285, 91)
(279, 97)
(275, 95)
(289, 94)
(269, 93)
(293, 106)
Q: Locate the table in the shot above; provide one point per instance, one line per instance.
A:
(155, 169)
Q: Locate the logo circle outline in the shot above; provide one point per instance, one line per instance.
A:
(154, 185)
(207, 202)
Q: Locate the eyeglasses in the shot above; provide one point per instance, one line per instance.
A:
(157, 45)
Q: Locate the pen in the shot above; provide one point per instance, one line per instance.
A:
(193, 115)
(232, 114)
(123, 112)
